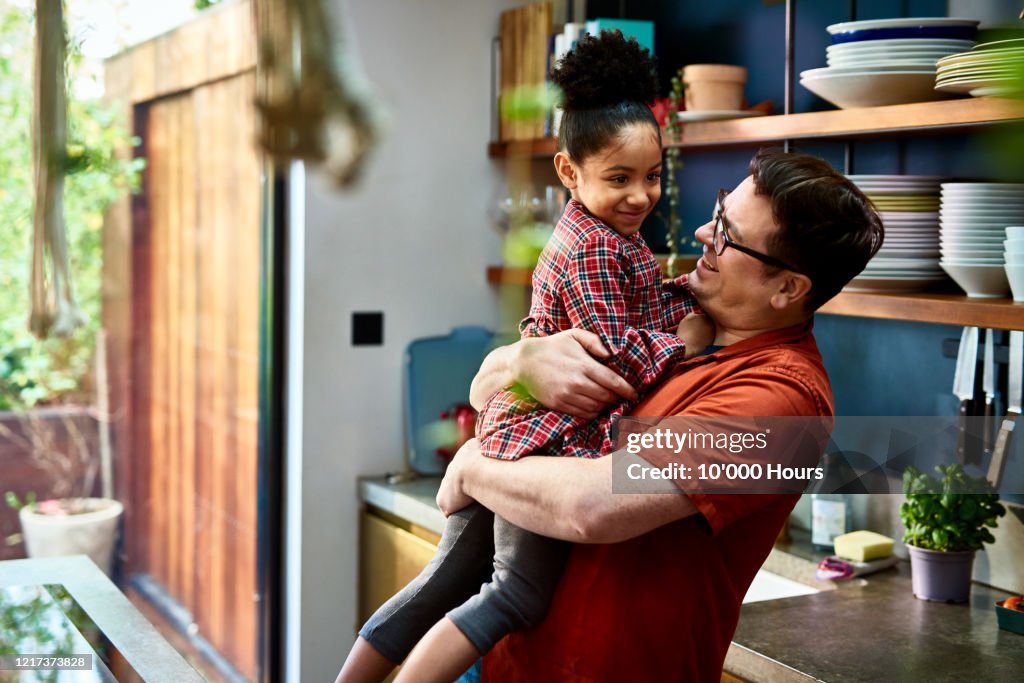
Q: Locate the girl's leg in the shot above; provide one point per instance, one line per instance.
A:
(453, 575)
(444, 654)
(527, 568)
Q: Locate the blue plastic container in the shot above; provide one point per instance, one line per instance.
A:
(437, 374)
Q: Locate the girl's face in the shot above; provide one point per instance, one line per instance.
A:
(620, 184)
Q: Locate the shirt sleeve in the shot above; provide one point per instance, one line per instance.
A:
(594, 299)
(797, 440)
(676, 302)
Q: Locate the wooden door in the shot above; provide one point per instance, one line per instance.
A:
(195, 358)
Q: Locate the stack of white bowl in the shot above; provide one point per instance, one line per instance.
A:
(1014, 254)
(988, 69)
(887, 61)
(972, 229)
(909, 257)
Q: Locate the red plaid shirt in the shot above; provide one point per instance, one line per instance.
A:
(593, 278)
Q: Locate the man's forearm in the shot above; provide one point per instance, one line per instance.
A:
(568, 498)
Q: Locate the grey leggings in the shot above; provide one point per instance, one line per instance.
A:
(526, 571)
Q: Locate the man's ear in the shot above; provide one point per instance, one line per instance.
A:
(793, 288)
(566, 170)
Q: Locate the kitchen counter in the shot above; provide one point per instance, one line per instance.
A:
(863, 629)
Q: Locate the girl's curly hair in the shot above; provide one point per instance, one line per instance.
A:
(607, 83)
(604, 71)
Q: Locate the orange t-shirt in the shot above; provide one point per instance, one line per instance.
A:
(664, 606)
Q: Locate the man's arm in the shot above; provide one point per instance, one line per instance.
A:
(558, 371)
(566, 498)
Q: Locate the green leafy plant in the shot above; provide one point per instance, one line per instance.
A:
(54, 370)
(673, 164)
(951, 513)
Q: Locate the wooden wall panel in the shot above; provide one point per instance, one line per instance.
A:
(181, 298)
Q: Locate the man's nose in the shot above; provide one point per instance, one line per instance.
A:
(704, 233)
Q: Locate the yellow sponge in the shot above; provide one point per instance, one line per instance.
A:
(861, 546)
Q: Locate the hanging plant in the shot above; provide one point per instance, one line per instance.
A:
(673, 164)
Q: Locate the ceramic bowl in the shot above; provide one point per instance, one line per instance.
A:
(1015, 274)
(1015, 232)
(869, 88)
(986, 281)
(947, 32)
(1014, 246)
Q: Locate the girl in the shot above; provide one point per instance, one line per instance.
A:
(595, 273)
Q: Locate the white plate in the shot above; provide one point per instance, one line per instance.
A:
(849, 91)
(872, 190)
(910, 216)
(876, 63)
(857, 177)
(903, 22)
(716, 115)
(982, 186)
(830, 71)
(902, 43)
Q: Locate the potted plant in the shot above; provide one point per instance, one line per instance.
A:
(947, 521)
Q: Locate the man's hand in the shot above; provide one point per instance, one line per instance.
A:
(697, 331)
(561, 372)
(450, 497)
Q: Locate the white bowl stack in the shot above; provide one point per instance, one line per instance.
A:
(988, 69)
(1014, 254)
(870, 69)
(972, 232)
(909, 257)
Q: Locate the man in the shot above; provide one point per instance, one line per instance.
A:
(653, 590)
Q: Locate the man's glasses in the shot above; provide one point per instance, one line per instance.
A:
(722, 239)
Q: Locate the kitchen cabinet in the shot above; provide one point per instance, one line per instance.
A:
(392, 552)
(924, 118)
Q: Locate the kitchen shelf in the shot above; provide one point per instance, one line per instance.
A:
(927, 307)
(924, 118)
(942, 308)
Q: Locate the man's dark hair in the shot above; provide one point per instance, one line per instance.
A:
(607, 83)
(828, 228)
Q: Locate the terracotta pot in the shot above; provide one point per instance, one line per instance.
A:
(714, 87)
(91, 533)
(941, 576)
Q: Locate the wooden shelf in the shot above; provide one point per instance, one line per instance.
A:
(941, 308)
(924, 118)
(927, 307)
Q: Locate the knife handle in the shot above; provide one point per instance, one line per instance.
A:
(987, 428)
(961, 437)
(995, 468)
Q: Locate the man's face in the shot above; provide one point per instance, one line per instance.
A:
(621, 184)
(733, 286)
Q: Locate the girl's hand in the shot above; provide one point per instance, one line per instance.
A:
(697, 331)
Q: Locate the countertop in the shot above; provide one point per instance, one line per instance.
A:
(863, 629)
(137, 640)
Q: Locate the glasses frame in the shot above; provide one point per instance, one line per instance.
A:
(722, 226)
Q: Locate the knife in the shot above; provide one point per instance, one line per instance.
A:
(988, 385)
(963, 384)
(1013, 406)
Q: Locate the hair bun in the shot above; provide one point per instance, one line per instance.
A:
(604, 71)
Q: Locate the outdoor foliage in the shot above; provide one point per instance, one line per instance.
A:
(948, 514)
(32, 371)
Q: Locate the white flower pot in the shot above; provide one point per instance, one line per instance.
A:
(90, 533)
